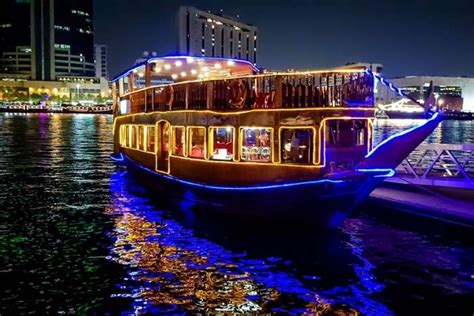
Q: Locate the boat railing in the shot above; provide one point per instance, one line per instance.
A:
(449, 165)
(332, 89)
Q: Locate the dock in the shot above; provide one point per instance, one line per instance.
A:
(435, 181)
(433, 205)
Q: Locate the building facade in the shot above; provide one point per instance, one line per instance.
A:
(452, 93)
(47, 52)
(47, 39)
(101, 63)
(205, 34)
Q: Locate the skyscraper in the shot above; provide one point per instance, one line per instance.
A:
(47, 39)
(205, 34)
(101, 66)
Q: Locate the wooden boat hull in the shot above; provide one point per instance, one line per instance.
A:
(324, 202)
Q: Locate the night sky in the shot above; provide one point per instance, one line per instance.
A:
(419, 37)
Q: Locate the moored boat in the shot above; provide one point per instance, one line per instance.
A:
(278, 144)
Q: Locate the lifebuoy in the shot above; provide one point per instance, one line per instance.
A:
(238, 93)
(168, 95)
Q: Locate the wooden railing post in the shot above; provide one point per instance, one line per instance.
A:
(210, 95)
(186, 99)
(278, 102)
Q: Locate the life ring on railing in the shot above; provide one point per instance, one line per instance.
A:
(238, 93)
(168, 95)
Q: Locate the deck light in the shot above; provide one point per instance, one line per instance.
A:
(167, 66)
(193, 71)
(158, 69)
(189, 60)
(174, 76)
(217, 66)
(230, 63)
(183, 74)
(178, 63)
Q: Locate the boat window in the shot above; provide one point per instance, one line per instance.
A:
(126, 140)
(150, 139)
(178, 141)
(360, 127)
(197, 141)
(141, 137)
(123, 135)
(256, 144)
(222, 142)
(134, 135)
(296, 145)
(345, 133)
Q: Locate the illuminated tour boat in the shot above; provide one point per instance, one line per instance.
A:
(278, 144)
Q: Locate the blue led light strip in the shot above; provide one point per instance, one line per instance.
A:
(121, 158)
(389, 173)
(388, 84)
(434, 117)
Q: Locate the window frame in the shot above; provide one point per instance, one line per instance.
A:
(146, 139)
(272, 144)
(173, 140)
(141, 127)
(211, 142)
(189, 139)
(313, 144)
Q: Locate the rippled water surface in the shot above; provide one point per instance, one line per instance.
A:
(79, 235)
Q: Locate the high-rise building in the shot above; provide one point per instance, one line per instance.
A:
(47, 39)
(101, 67)
(202, 33)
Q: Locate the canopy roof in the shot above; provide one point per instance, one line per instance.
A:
(183, 68)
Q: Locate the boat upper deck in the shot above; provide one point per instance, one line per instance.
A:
(194, 83)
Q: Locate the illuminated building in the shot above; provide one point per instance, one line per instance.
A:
(101, 63)
(452, 93)
(47, 39)
(47, 52)
(202, 33)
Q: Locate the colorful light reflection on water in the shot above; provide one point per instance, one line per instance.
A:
(170, 269)
(80, 236)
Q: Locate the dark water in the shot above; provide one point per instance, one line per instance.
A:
(448, 132)
(79, 235)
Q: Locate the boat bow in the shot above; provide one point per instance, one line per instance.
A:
(391, 152)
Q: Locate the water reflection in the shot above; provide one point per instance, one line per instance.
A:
(80, 236)
(171, 269)
(448, 132)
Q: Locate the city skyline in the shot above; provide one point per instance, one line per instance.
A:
(310, 35)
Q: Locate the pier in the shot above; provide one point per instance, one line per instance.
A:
(435, 180)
